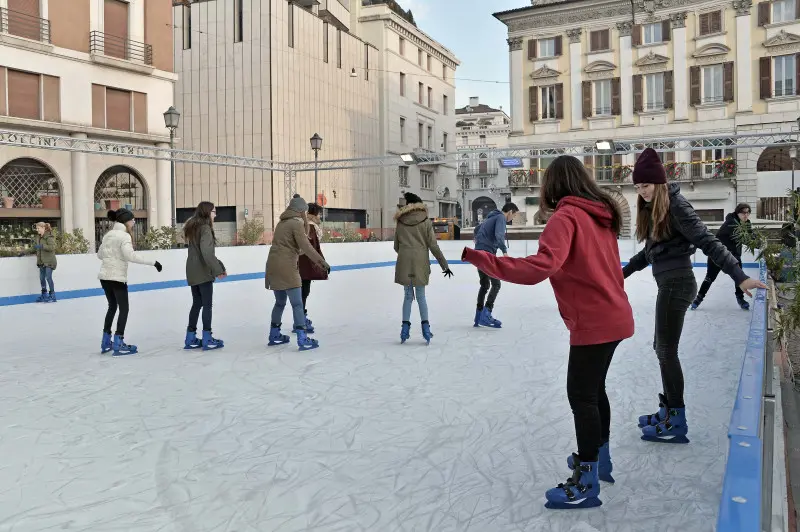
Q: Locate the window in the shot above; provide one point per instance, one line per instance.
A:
(290, 23)
(445, 105)
(599, 40)
(402, 175)
(339, 48)
(119, 109)
(426, 180)
(444, 142)
(464, 140)
(547, 47)
(430, 137)
(548, 102)
(24, 96)
(784, 75)
(420, 129)
(402, 130)
(654, 92)
(652, 33)
(712, 154)
(402, 49)
(783, 10)
(444, 72)
(712, 84)
(482, 139)
(325, 42)
(484, 182)
(238, 20)
(366, 62)
(466, 183)
(603, 167)
(402, 84)
(430, 97)
(710, 23)
(419, 57)
(602, 97)
(430, 63)
(421, 90)
(187, 27)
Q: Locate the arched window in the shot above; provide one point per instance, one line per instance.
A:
(117, 187)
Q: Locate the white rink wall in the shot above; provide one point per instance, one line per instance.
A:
(19, 276)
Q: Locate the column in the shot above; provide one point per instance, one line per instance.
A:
(82, 193)
(576, 109)
(680, 69)
(163, 190)
(744, 87)
(626, 73)
(515, 70)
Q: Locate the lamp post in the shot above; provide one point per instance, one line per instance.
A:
(316, 145)
(171, 119)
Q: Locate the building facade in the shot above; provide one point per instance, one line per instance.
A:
(86, 69)
(586, 70)
(482, 183)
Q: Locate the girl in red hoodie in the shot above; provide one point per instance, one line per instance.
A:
(578, 252)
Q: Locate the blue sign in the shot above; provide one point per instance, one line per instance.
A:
(510, 162)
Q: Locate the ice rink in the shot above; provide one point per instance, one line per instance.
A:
(361, 434)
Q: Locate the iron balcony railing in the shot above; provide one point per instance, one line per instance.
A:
(113, 46)
(478, 171)
(24, 25)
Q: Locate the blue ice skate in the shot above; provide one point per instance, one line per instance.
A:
(582, 490)
(275, 336)
(309, 326)
(303, 341)
(604, 465)
(487, 320)
(51, 298)
(405, 332)
(744, 305)
(426, 332)
(658, 417)
(105, 344)
(42, 298)
(478, 313)
(672, 430)
(192, 341)
(210, 343)
(120, 348)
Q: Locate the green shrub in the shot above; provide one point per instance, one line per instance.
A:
(73, 243)
(160, 238)
(251, 232)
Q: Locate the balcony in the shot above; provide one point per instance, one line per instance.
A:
(25, 26)
(479, 171)
(111, 46)
(524, 178)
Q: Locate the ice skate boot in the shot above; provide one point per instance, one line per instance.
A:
(120, 348)
(671, 430)
(309, 326)
(275, 336)
(744, 305)
(51, 297)
(486, 319)
(105, 343)
(658, 417)
(192, 341)
(405, 332)
(42, 298)
(210, 343)
(478, 313)
(304, 342)
(426, 332)
(604, 465)
(582, 490)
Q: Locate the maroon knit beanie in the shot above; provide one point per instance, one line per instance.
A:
(648, 169)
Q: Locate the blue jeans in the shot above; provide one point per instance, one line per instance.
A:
(295, 296)
(421, 301)
(46, 274)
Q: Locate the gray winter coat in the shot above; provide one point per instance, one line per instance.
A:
(202, 266)
(413, 240)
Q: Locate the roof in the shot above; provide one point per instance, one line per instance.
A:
(481, 108)
(501, 14)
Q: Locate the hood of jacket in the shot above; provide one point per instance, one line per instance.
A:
(496, 212)
(413, 214)
(597, 210)
(289, 213)
(674, 189)
(732, 218)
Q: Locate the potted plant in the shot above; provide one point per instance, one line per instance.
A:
(112, 204)
(8, 202)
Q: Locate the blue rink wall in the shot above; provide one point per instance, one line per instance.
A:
(76, 275)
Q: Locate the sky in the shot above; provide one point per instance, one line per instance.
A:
(468, 28)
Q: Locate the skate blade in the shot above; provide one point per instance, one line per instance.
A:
(589, 502)
(213, 348)
(308, 347)
(607, 478)
(103, 351)
(678, 438)
(278, 342)
(191, 347)
(120, 354)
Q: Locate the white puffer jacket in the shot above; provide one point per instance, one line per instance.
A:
(116, 252)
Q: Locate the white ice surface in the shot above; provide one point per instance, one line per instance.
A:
(360, 434)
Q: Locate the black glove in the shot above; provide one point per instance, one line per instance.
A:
(158, 266)
(448, 273)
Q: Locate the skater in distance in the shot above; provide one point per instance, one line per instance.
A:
(490, 236)
(309, 270)
(414, 239)
(740, 217)
(202, 269)
(45, 246)
(672, 231)
(578, 252)
(115, 252)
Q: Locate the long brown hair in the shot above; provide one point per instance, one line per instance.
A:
(566, 176)
(202, 216)
(653, 220)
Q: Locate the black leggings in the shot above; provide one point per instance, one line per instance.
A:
(306, 290)
(586, 391)
(202, 296)
(486, 281)
(676, 291)
(117, 295)
(711, 276)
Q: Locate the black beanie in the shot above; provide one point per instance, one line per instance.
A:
(120, 215)
(410, 198)
(649, 169)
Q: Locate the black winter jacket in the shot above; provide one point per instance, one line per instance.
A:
(726, 234)
(688, 234)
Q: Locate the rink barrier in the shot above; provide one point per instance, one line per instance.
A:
(746, 503)
(179, 283)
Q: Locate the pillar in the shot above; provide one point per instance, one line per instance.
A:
(744, 86)
(576, 92)
(163, 190)
(82, 193)
(626, 73)
(680, 69)
(515, 70)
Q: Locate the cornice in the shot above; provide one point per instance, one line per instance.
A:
(423, 44)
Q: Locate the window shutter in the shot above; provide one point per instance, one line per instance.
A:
(51, 98)
(23, 94)
(98, 106)
(118, 109)
(606, 39)
(593, 41)
(697, 156)
(636, 35)
(694, 85)
(638, 95)
(533, 104)
(716, 22)
(617, 160)
(727, 81)
(796, 72)
(616, 101)
(559, 49)
(668, 156)
(765, 77)
(705, 26)
(764, 13)
(532, 49)
(560, 101)
(586, 87)
(669, 97)
(665, 31)
(796, 9)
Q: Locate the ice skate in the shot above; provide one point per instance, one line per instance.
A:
(275, 336)
(105, 344)
(671, 430)
(192, 341)
(51, 298)
(478, 313)
(744, 305)
(426, 332)
(210, 343)
(658, 417)
(42, 298)
(486, 319)
(604, 465)
(304, 342)
(405, 332)
(309, 326)
(120, 348)
(582, 490)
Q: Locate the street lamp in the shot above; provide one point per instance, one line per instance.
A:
(171, 119)
(316, 145)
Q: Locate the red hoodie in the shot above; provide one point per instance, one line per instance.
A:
(578, 252)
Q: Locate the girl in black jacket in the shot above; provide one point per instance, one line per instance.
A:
(726, 235)
(672, 232)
